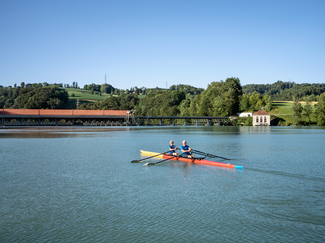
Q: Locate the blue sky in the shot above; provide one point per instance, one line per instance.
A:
(154, 43)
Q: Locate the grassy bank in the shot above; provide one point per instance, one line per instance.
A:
(283, 110)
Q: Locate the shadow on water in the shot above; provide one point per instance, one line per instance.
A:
(288, 174)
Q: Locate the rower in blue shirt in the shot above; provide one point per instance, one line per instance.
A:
(186, 150)
(172, 148)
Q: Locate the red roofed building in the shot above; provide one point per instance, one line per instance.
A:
(261, 118)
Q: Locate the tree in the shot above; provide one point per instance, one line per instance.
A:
(103, 88)
(219, 99)
(308, 108)
(269, 102)
(320, 110)
(22, 84)
(177, 96)
(296, 108)
(244, 103)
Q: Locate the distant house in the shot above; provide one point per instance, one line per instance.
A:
(28, 85)
(261, 118)
(245, 114)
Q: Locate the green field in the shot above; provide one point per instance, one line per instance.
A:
(283, 109)
(84, 96)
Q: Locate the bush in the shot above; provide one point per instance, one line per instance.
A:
(243, 121)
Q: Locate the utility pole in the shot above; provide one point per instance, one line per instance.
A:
(77, 103)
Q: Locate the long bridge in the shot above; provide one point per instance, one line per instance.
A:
(46, 117)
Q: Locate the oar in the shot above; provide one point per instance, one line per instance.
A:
(137, 161)
(154, 163)
(209, 155)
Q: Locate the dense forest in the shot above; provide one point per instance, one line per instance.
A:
(47, 97)
(286, 91)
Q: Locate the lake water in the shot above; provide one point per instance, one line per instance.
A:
(78, 185)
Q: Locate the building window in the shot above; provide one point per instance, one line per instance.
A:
(264, 118)
(257, 119)
(261, 119)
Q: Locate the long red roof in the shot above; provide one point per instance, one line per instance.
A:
(53, 112)
(261, 113)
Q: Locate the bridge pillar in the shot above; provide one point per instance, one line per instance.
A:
(197, 122)
(209, 122)
(161, 122)
(173, 123)
(185, 124)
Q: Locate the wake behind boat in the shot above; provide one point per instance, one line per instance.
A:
(189, 160)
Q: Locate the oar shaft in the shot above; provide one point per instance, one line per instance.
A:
(160, 161)
(137, 161)
(207, 154)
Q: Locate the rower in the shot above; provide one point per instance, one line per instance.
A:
(186, 150)
(172, 148)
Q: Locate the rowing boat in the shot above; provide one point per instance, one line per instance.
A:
(195, 160)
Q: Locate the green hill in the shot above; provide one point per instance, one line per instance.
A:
(84, 96)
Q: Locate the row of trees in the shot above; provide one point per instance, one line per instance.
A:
(34, 85)
(103, 88)
(122, 102)
(308, 110)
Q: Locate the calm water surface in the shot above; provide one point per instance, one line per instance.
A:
(78, 185)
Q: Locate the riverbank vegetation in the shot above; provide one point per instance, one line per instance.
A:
(289, 103)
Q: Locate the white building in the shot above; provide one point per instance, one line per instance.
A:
(261, 118)
(245, 114)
